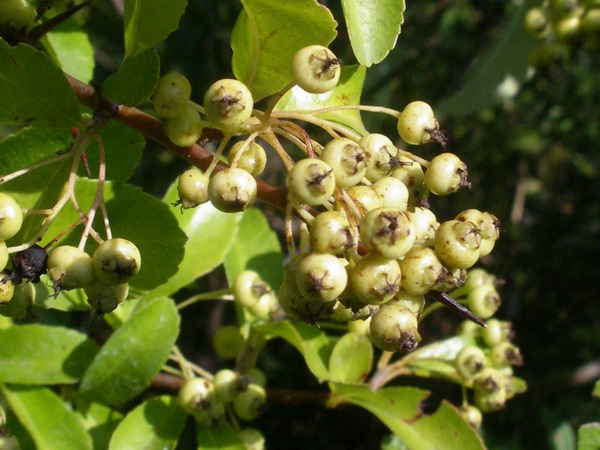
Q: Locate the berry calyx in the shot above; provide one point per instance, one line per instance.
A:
(382, 155)
(394, 328)
(347, 160)
(311, 181)
(232, 190)
(330, 233)
(417, 124)
(316, 69)
(375, 279)
(117, 261)
(228, 104)
(387, 231)
(321, 277)
(446, 174)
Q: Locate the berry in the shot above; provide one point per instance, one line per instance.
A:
(446, 174)
(116, 261)
(185, 128)
(490, 401)
(253, 159)
(11, 217)
(232, 190)
(347, 160)
(417, 124)
(457, 243)
(252, 439)
(70, 268)
(505, 354)
(365, 198)
(415, 303)
(424, 221)
(494, 333)
(470, 362)
(472, 415)
(375, 279)
(16, 15)
(228, 104)
(249, 288)
(316, 69)
(249, 404)
(421, 270)
(227, 342)
(196, 394)
(29, 264)
(311, 181)
(321, 277)
(3, 255)
(536, 21)
(393, 193)
(489, 380)
(330, 233)
(483, 301)
(394, 328)
(172, 95)
(388, 232)
(411, 174)
(105, 298)
(7, 288)
(192, 187)
(227, 385)
(382, 155)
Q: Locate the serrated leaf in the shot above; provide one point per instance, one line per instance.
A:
(70, 46)
(123, 148)
(40, 354)
(133, 355)
(220, 437)
(347, 92)
(401, 409)
(48, 420)
(136, 216)
(351, 359)
(100, 422)
(147, 22)
(266, 36)
(373, 27)
(210, 234)
(589, 436)
(312, 343)
(135, 80)
(256, 247)
(154, 425)
(33, 90)
(498, 75)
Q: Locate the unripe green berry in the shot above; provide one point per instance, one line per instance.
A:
(11, 217)
(321, 277)
(70, 268)
(7, 288)
(417, 123)
(104, 298)
(375, 279)
(192, 187)
(489, 380)
(116, 261)
(457, 243)
(394, 328)
(172, 94)
(315, 69)
(536, 21)
(483, 301)
(249, 287)
(249, 404)
(185, 128)
(451, 279)
(421, 270)
(388, 232)
(228, 105)
(311, 181)
(227, 385)
(416, 303)
(227, 342)
(494, 333)
(506, 354)
(424, 221)
(411, 174)
(490, 401)
(195, 395)
(472, 415)
(330, 233)
(382, 155)
(255, 376)
(17, 15)
(253, 158)
(3, 255)
(393, 193)
(252, 439)
(470, 362)
(365, 198)
(232, 190)
(347, 160)
(446, 174)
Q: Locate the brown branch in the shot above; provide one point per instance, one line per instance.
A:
(152, 128)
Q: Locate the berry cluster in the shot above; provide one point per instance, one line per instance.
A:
(103, 277)
(563, 25)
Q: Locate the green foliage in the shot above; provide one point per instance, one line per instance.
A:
(135, 80)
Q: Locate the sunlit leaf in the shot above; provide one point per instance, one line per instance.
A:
(351, 359)
(220, 437)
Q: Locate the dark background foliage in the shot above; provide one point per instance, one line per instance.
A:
(533, 161)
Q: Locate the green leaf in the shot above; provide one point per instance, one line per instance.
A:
(373, 27)
(347, 92)
(49, 421)
(133, 355)
(256, 247)
(266, 36)
(351, 359)
(147, 22)
(33, 90)
(312, 343)
(100, 421)
(135, 80)
(589, 436)
(563, 437)
(159, 240)
(498, 75)
(155, 424)
(123, 148)
(220, 437)
(401, 409)
(210, 234)
(596, 392)
(40, 354)
(70, 46)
